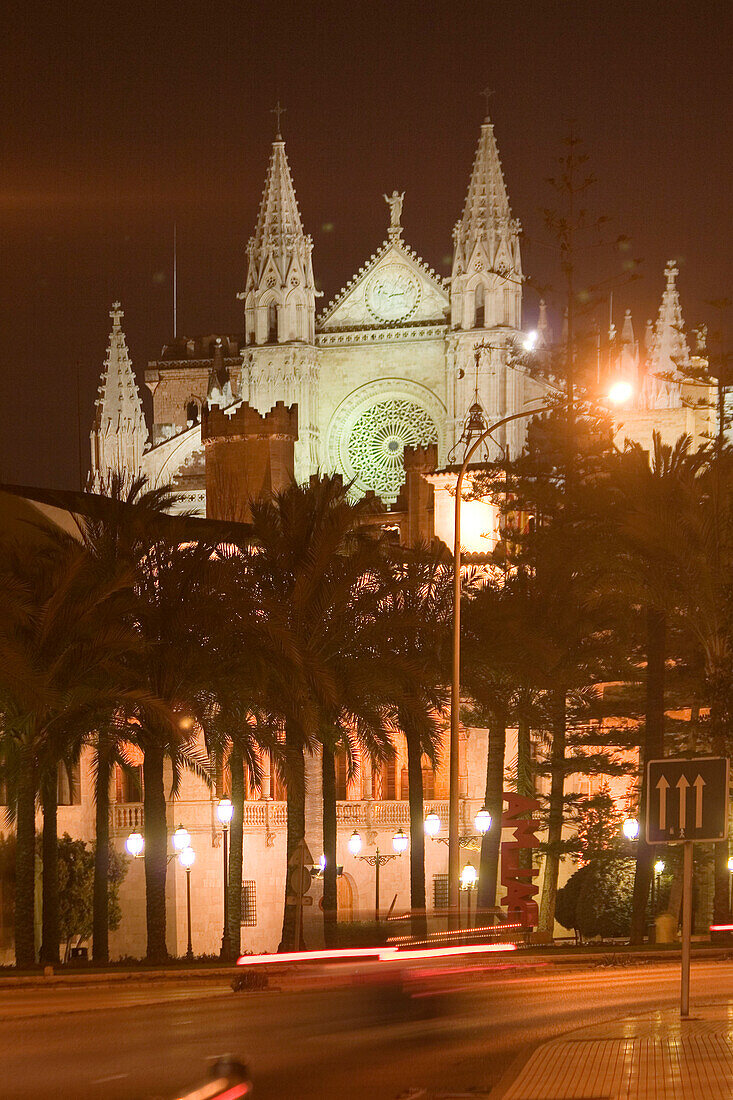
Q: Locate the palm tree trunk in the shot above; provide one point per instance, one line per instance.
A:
(100, 904)
(295, 763)
(651, 749)
(418, 906)
(50, 924)
(330, 886)
(555, 816)
(25, 868)
(494, 802)
(236, 851)
(156, 845)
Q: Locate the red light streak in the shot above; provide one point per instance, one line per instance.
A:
(382, 954)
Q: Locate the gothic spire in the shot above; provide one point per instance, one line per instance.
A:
(119, 434)
(669, 349)
(487, 204)
(487, 267)
(278, 224)
(280, 290)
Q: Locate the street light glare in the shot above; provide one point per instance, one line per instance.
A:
(730, 865)
(399, 842)
(530, 341)
(187, 856)
(181, 838)
(354, 843)
(135, 843)
(659, 867)
(224, 810)
(631, 828)
(469, 875)
(620, 392)
(482, 821)
(432, 824)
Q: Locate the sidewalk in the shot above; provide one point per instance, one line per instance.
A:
(652, 1057)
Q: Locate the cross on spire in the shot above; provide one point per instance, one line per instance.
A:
(277, 110)
(487, 94)
(116, 313)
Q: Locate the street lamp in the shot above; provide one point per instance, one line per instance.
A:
(186, 857)
(135, 843)
(630, 828)
(181, 839)
(469, 877)
(224, 812)
(475, 424)
(482, 821)
(399, 843)
(432, 824)
(478, 424)
(658, 869)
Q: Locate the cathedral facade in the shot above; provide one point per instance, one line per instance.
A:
(389, 363)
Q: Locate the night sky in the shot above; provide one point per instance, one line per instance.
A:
(121, 119)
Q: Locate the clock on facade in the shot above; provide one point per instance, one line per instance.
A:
(392, 293)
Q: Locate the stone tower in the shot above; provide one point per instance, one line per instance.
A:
(119, 434)
(280, 360)
(485, 299)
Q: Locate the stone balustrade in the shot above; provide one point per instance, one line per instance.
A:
(270, 815)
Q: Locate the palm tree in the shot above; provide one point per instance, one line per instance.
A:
(310, 552)
(415, 616)
(60, 651)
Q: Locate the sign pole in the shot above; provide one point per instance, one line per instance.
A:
(686, 929)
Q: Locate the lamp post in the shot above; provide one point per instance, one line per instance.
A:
(658, 870)
(181, 839)
(399, 843)
(730, 885)
(224, 812)
(186, 857)
(481, 822)
(618, 396)
(469, 878)
(475, 423)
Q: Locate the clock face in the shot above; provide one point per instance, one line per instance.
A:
(392, 293)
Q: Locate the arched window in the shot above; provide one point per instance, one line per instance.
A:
(479, 300)
(272, 323)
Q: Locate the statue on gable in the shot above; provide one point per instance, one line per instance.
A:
(394, 202)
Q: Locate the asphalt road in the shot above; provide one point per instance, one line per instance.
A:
(460, 1033)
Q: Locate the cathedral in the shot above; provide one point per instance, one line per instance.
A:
(388, 364)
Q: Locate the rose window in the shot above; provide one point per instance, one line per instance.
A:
(378, 439)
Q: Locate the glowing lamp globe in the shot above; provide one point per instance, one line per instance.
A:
(224, 811)
(620, 392)
(730, 865)
(469, 876)
(631, 828)
(399, 842)
(432, 824)
(135, 843)
(529, 341)
(482, 821)
(354, 843)
(322, 864)
(181, 838)
(659, 867)
(187, 856)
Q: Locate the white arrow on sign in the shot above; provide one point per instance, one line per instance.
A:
(683, 785)
(662, 787)
(698, 785)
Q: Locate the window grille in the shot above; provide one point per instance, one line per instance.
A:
(440, 891)
(249, 902)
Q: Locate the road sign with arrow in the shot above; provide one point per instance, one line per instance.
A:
(687, 800)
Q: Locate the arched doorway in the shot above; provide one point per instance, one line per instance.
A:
(345, 897)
